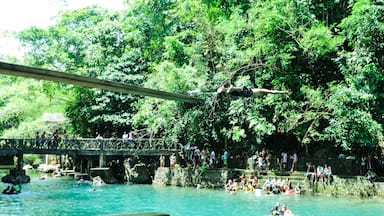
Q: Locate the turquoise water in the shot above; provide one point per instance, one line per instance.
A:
(67, 197)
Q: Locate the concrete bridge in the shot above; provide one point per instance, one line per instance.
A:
(87, 153)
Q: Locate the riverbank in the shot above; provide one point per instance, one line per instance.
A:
(352, 186)
(342, 186)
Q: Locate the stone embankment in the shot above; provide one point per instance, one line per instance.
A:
(212, 178)
(217, 178)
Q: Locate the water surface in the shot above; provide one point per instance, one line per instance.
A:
(68, 197)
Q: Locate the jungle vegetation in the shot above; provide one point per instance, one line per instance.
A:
(327, 54)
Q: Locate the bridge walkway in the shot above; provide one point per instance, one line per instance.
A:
(87, 146)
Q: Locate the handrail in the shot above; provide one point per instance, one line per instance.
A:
(87, 144)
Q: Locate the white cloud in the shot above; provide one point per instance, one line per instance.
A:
(16, 15)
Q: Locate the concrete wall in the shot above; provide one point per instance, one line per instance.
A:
(211, 178)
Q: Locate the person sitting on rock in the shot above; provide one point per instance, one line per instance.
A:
(298, 188)
(371, 176)
(328, 174)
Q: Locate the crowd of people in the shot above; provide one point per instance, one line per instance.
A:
(258, 160)
(50, 140)
(204, 158)
(263, 160)
(370, 167)
(270, 186)
(319, 173)
(55, 140)
(192, 155)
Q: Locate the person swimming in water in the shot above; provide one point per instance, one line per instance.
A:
(12, 189)
(276, 209)
(284, 211)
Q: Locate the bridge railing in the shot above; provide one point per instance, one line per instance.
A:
(88, 144)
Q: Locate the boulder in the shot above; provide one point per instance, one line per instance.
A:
(16, 177)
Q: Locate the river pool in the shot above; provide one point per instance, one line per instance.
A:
(55, 196)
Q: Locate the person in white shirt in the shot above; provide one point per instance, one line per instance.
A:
(172, 160)
(295, 159)
(284, 160)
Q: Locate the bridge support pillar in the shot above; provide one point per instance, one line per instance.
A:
(89, 165)
(20, 161)
(81, 165)
(17, 175)
(102, 160)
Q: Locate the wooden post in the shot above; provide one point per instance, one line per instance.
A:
(102, 160)
(81, 165)
(89, 165)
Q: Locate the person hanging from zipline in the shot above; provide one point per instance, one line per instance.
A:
(248, 92)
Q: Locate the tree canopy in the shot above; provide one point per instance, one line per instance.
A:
(327, 54)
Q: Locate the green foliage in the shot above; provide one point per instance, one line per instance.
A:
(32, 159)
(362, 61)
(22, 106)
(63, 45)
(319, 41)
(329, 12)
(352, 124)
(327, 54)
(167, 78)
(93, 42)
(78, 112)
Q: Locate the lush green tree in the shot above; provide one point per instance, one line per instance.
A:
(22, 105)
(92, 42)
(273, 44)
(344, 113)
(327, 54)
(362, 63)
(187, 67)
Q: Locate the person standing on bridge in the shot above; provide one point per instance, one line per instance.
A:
(125, 138)
(43, 139)
(56, 139)
(37, 139)
(65, 138)
(99, 140)
(131, 143)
